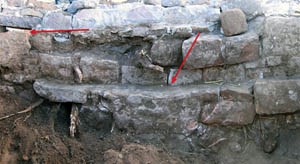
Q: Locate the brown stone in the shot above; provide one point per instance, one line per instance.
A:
(241, 48)
(206, 52)
(233, 22)
(42, 42)
(57, 67)
(234, 106)
(99, 70)
(12, 46)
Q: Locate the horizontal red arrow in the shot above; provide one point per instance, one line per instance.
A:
(174, 78)
(33, 32)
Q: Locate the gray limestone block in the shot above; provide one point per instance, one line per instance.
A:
(185, 77)
(166, 52)
(60, 93)
(27, 22)
(172, 3)
(57, 20)
(143, 76)
(276, 96)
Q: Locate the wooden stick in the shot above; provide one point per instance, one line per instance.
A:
(30, 108)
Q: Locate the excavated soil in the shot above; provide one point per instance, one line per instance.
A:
(42, 136)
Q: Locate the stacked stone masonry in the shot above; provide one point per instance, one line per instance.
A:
(125, 62)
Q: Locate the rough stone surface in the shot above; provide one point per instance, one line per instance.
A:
(138, 14)
(228, 113)
(58, 67)
(281, 36)
(197, 2)
(81, 4)
(53, 93)
(172, 3)
(206, 52)
(234, 73)
(234, 107)
(122, 15)
(100, 71)
(57, 20)
(276, 96)
(185, 77)
(41, 4)
(31, 12)
(143, 108)
(258, 73)
(42, 42)
(144, 76)
(233, 22)
(251, 8)
(19, 22)
(12, 46)
(241, 48)
(152, 2)
(294, 65)
(16, 3)
(166, 52)
(273, 60)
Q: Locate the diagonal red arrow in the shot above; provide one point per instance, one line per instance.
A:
(174, 78)
(33, 32)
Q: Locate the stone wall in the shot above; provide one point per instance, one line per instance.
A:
(245, 64)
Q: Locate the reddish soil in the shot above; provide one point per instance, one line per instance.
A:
(41, 136)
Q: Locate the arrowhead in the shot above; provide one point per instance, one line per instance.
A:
(33, 32)
(173, 79)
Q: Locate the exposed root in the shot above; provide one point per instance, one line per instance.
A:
(74, 120)
(218, 141)
(213, 82)
(78, 74)
(30, 108)
(156, 67)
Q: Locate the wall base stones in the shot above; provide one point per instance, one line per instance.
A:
(123, 66)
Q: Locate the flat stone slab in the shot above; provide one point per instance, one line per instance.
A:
(27, 22)
(277, 96)
(57, 93)
(150, 107)
(137, 13)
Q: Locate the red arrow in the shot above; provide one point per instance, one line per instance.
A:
(174, 78)
(33, 32)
